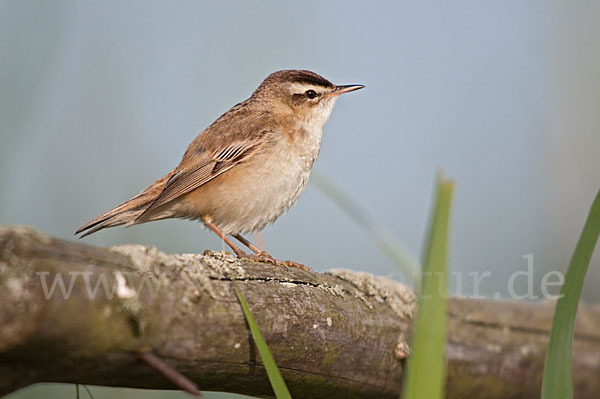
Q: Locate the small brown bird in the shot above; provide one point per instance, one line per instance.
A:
(245, 169)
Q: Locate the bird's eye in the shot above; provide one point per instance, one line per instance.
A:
(311, 94)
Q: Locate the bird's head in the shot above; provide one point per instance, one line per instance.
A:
(303, 95)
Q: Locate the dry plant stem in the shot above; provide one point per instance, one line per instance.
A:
(88, 392)
(170, 373)
(338, 334)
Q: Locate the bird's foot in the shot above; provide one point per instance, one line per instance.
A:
(291, 263)
(266, 258)
(260, 257)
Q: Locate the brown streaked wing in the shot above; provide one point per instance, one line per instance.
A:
(210, 166)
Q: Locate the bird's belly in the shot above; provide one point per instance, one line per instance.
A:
(253, 194)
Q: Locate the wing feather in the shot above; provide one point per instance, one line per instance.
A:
(208, 167)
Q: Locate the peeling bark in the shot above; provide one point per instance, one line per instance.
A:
(339, 334)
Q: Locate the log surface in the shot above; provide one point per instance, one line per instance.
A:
(338, 334)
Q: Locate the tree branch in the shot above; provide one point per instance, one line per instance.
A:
(339, 334)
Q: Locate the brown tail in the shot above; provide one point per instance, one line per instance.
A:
(127, 212)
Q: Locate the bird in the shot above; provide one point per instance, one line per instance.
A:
(245, 169)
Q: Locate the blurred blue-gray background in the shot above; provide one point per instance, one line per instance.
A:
(98, 99)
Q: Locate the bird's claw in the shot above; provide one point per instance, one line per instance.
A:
(261, 257)
(291, 263)
(264, 257)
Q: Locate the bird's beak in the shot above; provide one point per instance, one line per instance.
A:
(343, 89)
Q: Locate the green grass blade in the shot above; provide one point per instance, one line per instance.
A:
(382, 237)
(275, 378)
(557, 382)
(425, 374)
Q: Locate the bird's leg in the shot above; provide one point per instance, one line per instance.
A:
(263, 256)
(258, 256)
(247, 243)
(209, 223)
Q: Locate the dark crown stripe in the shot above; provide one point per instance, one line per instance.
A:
(310, 78)
(299, 76)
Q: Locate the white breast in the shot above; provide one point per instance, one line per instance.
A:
(277, 177)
